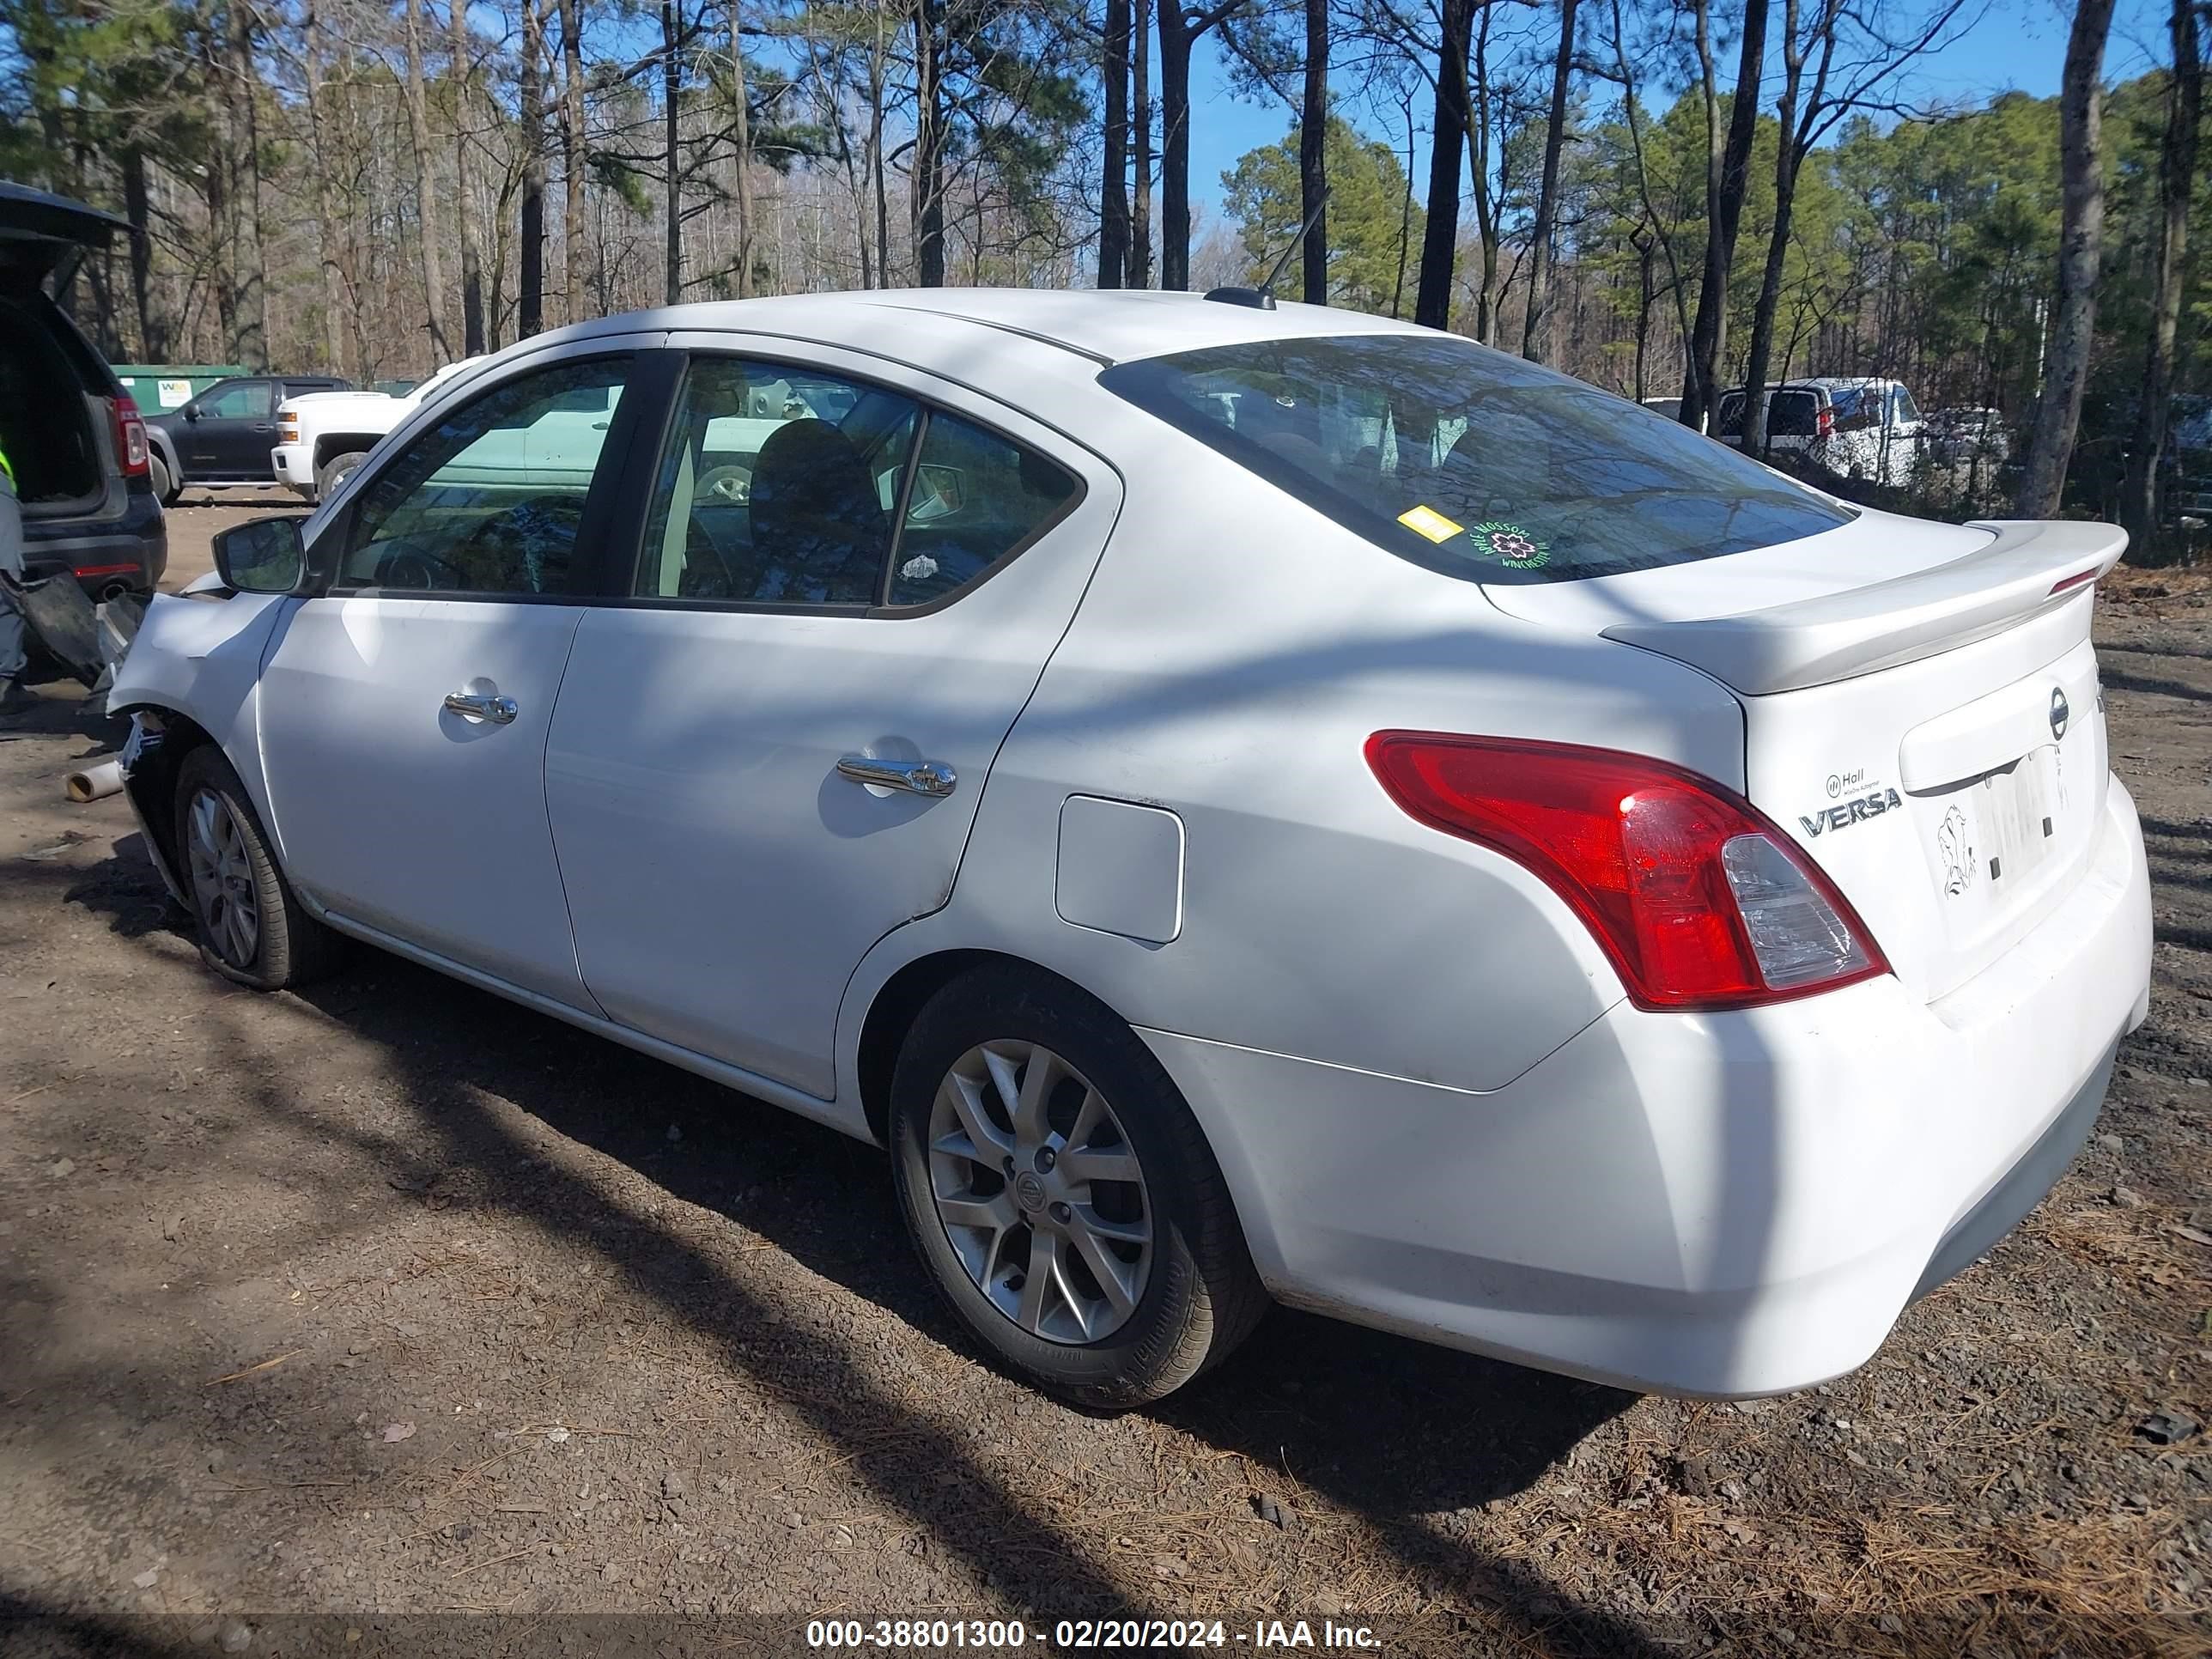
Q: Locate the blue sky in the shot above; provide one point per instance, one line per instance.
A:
(2013, 44)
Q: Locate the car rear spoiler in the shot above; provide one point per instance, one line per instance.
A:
(2029, 565)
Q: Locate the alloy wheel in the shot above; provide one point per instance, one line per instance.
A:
(224, 891)
(1040, 1192)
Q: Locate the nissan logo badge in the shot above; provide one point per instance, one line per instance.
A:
(2059, 712)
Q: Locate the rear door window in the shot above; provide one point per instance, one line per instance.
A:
(1470, 462)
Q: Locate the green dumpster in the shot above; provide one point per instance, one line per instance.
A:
(157, 388)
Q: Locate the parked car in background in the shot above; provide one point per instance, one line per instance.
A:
(1968, 437)
(1866, 428)
(223, 436)
(1670, 407)
(323, 436)
(2185, 469)
(1537, 882)
(73, 437)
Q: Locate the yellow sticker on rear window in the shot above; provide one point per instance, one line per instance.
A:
(1427, 521)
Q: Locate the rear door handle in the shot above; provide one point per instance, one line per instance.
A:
(923, 777)
(483, 706)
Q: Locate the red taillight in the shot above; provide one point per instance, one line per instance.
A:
(2074, 580)
(1698, 900)
(1824, 423)
(130, 438)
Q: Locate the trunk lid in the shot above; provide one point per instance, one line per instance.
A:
(38, 230)
(1921, 711)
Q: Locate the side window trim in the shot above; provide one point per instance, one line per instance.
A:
(333, 541)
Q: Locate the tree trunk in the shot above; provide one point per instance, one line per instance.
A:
(529, 307)
(928, 202)
(1140, 212)
(426, 192)
(575, 146)
(876, 78)
(1788, 156)
(741, 118)
(672, 94)
(463, 71)
(1313, 156)
(1535, 328)
(1174, 146)
(2177, 174)
(153, 335)
(1478, 167)
(327, 224)
(1726, 186)
(249, 339)
(1440, 239)
(1114, 165)
(2080, 243)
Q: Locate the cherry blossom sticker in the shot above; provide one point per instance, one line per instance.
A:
(1509, 544)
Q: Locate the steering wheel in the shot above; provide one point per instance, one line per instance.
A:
(531, 539)
(411, 568)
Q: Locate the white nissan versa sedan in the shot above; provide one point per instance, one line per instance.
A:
(1243, 802)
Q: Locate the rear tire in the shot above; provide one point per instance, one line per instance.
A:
(165, 489)
(251, 925)
(1110, 1177)
(330, 476)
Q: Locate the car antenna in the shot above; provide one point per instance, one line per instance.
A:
(1262, 298)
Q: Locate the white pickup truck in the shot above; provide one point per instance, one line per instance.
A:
(322, 436)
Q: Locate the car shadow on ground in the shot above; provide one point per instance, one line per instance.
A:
(1406, 1435)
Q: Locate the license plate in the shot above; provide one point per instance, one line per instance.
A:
(2017, 810)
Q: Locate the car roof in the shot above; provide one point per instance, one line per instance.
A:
(1109, 325)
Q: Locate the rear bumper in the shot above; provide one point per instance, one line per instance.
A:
(130, 550)
(293, 466)
(1725, 1205)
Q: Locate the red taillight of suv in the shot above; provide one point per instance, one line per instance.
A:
(1698, 900)
(1824, 422)
(130, 438)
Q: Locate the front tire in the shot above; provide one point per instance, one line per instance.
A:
(1061, 1194)
(250, 924)
(330, 476)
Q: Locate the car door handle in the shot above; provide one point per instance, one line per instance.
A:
(922, 777)
(483, 706)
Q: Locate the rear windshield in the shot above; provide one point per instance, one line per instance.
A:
(1470, 462)
(1788, 413)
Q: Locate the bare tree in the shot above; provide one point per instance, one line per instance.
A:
(426, 217)
(1180, 29)
(2177, 178)
(574, 158)
(2080, 246)
(530, 314)
(1114, 158)
(1440, 235)
(1727, 178)
(1313, 155)
(313, 64)
(1140, 88)
(1806, 115)
(462, 69)
(672, 177)
(1535, 329)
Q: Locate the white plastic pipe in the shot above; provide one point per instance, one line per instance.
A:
(94, 783)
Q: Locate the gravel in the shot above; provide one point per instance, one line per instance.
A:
(660, 1349)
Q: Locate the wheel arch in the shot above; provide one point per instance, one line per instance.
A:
(331, 445)
(151, 781)
(165, 446)
(896, 1004)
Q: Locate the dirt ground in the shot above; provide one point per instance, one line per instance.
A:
(395, 1300)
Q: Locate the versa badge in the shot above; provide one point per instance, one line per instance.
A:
(1845, 813)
